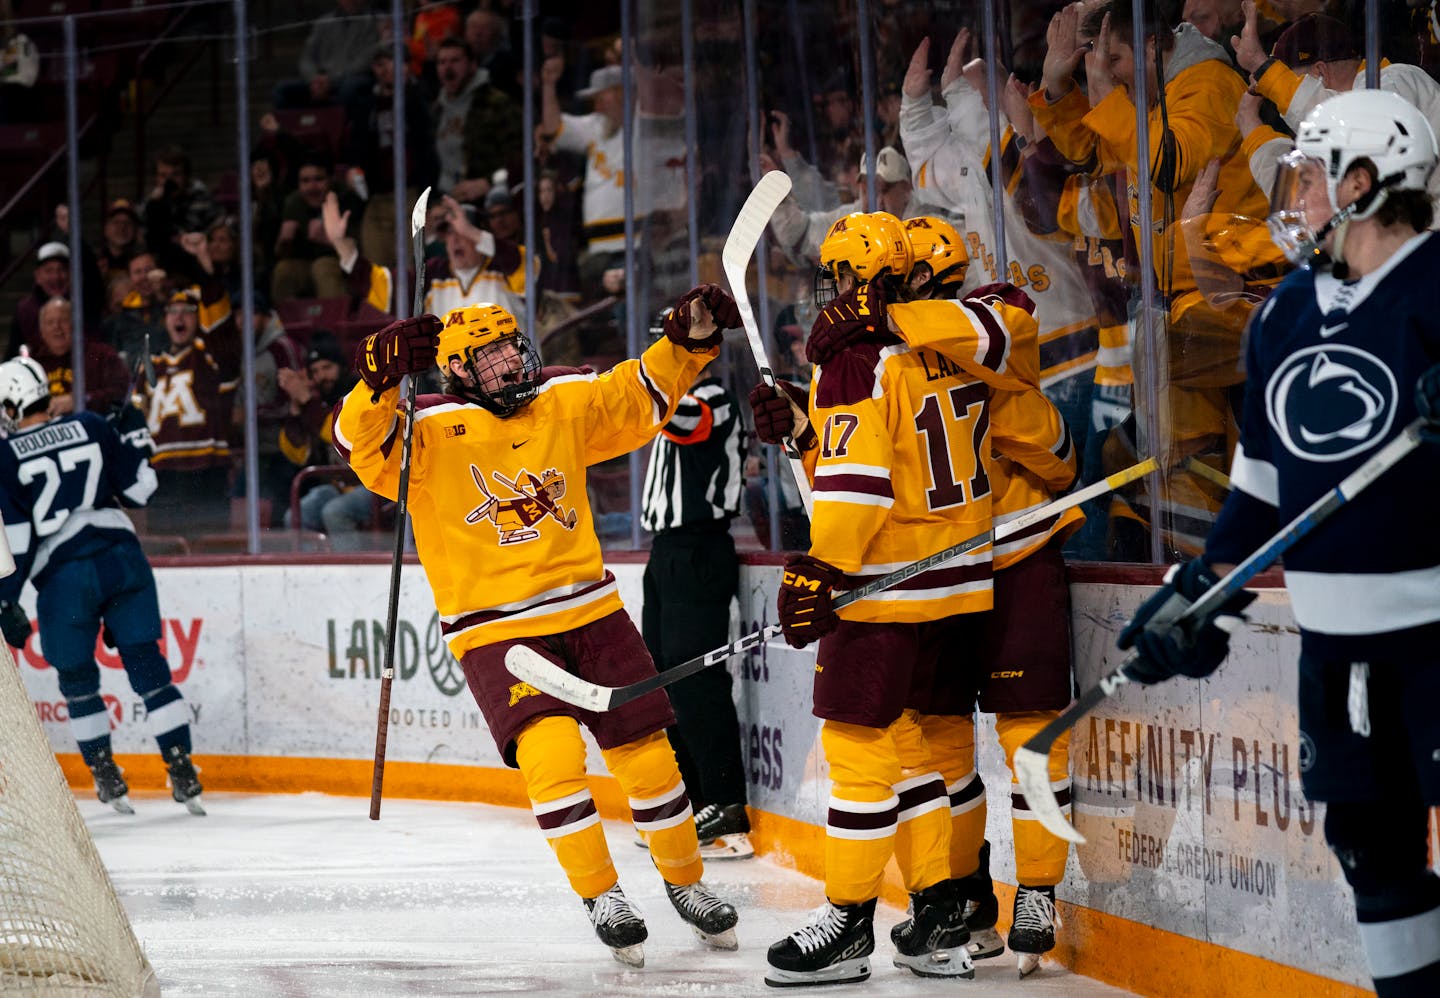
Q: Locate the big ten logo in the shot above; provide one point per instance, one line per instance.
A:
(58, 711)
(365, 647)
(766, 761)
(179, 642)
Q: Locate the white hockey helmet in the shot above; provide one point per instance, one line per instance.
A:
(1372, 124)
(23, 383)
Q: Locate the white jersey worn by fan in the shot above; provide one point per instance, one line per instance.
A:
(947, 147)
(659, 148)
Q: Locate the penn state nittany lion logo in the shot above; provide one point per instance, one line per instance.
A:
(533, 499)
(1331, 402)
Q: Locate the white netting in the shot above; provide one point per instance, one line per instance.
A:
(62, 930)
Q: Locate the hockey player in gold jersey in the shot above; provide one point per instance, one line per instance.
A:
(1021, 669)
(896, 477)
(507, 538)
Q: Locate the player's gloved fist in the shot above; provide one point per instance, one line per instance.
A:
(701, 329)
(14, 624)
(854, 317)
(780, 414)
(1427, 400)
(1194, 647)
(401, 348)
(807, 611)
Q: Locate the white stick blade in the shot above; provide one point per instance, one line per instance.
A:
(754, 216)
(547, 677)
(418, 213)
(1032, 772)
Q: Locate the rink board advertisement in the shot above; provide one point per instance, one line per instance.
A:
(1188, 792)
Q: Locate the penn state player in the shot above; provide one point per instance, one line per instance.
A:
(1333, 363)
(62, 483)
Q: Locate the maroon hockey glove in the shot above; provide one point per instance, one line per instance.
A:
(857, 316)
(722, 310)
(401, 348)
(776, 414)
(807, 612)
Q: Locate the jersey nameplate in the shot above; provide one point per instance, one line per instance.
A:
(48, 439)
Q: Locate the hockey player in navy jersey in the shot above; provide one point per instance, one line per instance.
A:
(62, 483)
(1340, 358)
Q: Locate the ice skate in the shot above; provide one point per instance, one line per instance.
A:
(1033, 931)
(712, 920)
(982, 910)
(184, 779)
(932, 942)
(619, 926)
(724, 832)
(832, 948)
(110, 785)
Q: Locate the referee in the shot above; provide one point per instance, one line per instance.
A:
(692, 490)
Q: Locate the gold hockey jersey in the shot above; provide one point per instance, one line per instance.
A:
(502, 524)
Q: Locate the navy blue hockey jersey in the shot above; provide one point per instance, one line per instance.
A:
(1331, 369)
(61, 487)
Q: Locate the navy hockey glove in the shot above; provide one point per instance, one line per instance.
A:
(778, 413)
(14, 624)
(1194, 647)
(807, 612)
(1427, 400)
(857, 316)
(401, 348)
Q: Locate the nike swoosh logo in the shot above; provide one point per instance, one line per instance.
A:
(1332, 330)
(520, 444)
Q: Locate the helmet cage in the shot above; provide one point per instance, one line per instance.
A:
(498, 383)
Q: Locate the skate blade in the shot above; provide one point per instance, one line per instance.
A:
(194, 806)
(1029, 963)
(954, 962)
(122, 804)
(727, 847)
(844, 972)
(984, 944)
(717, 940)
(630, 956)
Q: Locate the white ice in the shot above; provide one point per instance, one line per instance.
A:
(304, 896)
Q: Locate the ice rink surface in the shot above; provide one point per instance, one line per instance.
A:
(303, 896)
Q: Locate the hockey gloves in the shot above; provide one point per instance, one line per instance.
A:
(855, 317)
(781, 413)
(401, 348)
(14, 624)
(1194, 647)
(722, 309)
(806, 609)
(1427, 401)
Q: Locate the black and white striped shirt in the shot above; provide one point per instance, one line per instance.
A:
(696, 472)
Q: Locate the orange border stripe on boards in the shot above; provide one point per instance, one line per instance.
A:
(1115, 950)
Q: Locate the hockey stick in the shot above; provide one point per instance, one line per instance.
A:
(1032, 770)
(549, 678)
(387, 676)
(739, 248)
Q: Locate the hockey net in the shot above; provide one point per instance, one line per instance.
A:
(62, 930)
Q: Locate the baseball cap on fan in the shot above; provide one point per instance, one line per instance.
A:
(1315, 38)
(891, 166)
(604, 78)
(53, 251)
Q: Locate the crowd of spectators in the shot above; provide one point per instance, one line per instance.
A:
(162, 278)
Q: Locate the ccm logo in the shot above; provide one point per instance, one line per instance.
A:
(1008, 674)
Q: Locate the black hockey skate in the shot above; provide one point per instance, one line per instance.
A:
(110, 785)
(932, 942)
(1033, 931)
(724, 832)
(184, 780)
(832, 948)
(982, 910)
(712, 920)
(619, 926)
